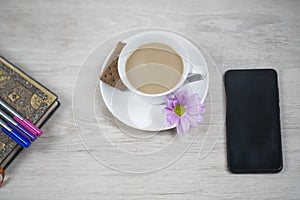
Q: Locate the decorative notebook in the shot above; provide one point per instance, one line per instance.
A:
(28, 97)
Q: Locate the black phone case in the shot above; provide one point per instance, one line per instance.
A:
(253, 121)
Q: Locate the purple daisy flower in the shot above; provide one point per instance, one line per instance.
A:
(183, 110)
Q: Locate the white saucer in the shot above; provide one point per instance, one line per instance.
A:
(135, 112)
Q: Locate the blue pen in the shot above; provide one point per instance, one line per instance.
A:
(17, 127)
(21, 120)
(23, 142)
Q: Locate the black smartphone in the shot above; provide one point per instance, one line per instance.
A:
(253, 121)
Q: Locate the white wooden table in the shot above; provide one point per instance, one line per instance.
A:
(50, 40)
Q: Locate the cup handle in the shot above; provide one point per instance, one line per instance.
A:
(192, 77)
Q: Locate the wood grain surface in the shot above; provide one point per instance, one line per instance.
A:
(51, 39)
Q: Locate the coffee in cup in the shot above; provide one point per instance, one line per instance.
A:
(153, 64)
(154, 68)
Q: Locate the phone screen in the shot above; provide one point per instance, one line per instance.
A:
(253, 121)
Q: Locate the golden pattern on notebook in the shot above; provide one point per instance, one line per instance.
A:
(26, 96)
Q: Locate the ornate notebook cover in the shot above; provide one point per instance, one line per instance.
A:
(25, 95)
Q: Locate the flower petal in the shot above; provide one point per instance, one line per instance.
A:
(193, 111)
(180, 95)
(173, 119)
(194, 99)
(168, 103)
(175, 103)
(179, 128)
(193, 108)
(202, 109)
(200, 118)
(185, 124)
(184, 101)
(168, 110)
(196, 109)
(192, 119)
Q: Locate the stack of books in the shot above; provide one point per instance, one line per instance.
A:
(25, 105)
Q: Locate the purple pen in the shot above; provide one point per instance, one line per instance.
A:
(19, 128)
(14, 135)
(21, 120)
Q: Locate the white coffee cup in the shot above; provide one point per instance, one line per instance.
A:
(153, 37)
